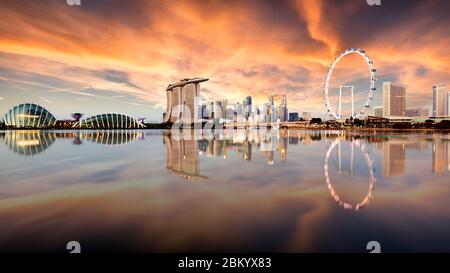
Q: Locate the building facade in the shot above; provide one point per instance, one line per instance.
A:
(181, 101)
(417, 112)
(29, 115)
(378, 111)
(440, 97)
(307, 115)
(394, 100)
(109, 121)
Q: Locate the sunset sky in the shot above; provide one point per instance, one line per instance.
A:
(119, 56)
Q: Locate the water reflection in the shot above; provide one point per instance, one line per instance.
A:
(329, 154)
(112, 137)
(34, 142)
(28, 143)
(441, 156)
(257, 190)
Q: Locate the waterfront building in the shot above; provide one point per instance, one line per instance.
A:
(29, 115)
(378, 111)
(394, 100)
(294, 116)
(307, 115)
(439, 100)
(181, 96)
(109, 121)
(247, 106)
(417, 112)
(448, 104)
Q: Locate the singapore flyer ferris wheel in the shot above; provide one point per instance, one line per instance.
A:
(372, 72)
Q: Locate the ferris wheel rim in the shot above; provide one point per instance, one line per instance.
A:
(372, 72)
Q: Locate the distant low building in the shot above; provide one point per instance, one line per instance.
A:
(417, 112)
(294, 116)
(378, 111)
(307, 115)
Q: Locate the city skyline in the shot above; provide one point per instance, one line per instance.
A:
(82, 61)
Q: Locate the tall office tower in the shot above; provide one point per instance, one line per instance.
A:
(182, 94)
(248, 106)
(283, 110)
(225, 106)
(210, 108)
(439, 100)
(394, 100)
(218, 109)
(448, 104)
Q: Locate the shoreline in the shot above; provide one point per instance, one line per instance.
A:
(411, 130)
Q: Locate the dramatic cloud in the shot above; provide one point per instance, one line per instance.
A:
(118, 56)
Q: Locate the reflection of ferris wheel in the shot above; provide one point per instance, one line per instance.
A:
(372, 178)
(372, 71)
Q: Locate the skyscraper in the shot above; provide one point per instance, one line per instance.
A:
(181, 98)
(248, 106)
(394, 100)
(439, 100)
(448, 104)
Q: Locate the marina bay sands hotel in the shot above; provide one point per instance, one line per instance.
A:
(182, 93)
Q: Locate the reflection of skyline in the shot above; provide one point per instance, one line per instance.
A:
(34, 142)
(246, 144)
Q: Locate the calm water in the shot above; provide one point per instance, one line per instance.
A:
(286, 191)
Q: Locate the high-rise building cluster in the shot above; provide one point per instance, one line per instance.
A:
(185, 104)
(441, 101)
(394, 103)
(273, 111)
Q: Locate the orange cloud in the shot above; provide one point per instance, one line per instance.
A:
(244, 47)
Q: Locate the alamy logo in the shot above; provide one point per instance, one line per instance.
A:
(374, 2)
(74, 246)
(73, 2)
(374, 247)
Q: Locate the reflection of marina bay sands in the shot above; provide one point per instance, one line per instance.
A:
(29, 143)
(184, 150)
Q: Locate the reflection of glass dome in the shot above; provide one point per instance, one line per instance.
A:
(29, 115)
(109, 121)
(111, 138)
(28, 142)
